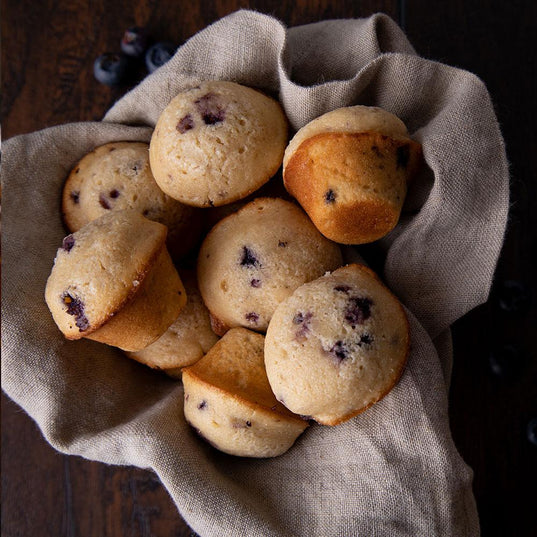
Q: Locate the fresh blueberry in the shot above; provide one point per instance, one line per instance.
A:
(111, 69)
(531, 431)
(134, 41)
(505, 361)
(513, 297)
(158, 54)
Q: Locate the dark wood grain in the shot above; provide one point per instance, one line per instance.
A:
(489, 415)
(48, 68)
(48, 49)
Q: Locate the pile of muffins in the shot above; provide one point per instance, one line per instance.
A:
(189, 255)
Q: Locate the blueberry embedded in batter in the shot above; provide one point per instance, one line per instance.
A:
(358, 310)
(248, 258)
(210, 109)
(68, 242)
(75, 307)
(330, 196)
(185, 124)
(365, 339)
(343, 288)
(339, 350)
(103, 201)
(252, 317)
(304, 320)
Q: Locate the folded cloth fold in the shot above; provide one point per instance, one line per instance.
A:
(392, 470)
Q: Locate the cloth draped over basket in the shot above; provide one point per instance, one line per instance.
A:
(391, 471)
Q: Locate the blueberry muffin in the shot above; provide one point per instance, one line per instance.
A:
(255, 258)
(337, 345)
(216, 143)
(186, 340)
(117, 176)
(229, 402)
(349, 169)
(113, 281)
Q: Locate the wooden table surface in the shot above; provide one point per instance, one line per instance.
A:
(48, 49)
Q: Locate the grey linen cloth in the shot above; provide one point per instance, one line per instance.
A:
(394, 469)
